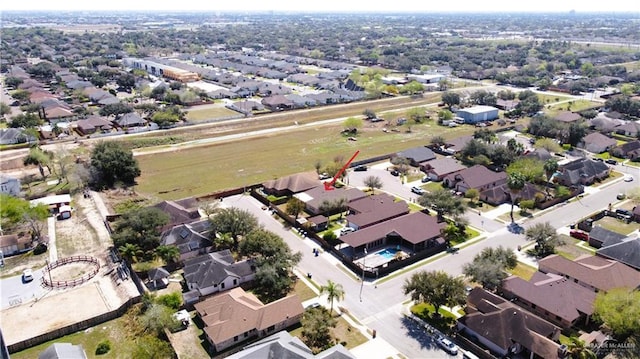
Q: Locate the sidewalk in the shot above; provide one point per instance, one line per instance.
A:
(51, 231)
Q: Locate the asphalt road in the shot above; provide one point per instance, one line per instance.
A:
(14, 291)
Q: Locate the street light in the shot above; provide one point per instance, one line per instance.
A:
(364, 261)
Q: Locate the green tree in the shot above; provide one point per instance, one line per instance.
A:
(130, 251)
(578, 349)
(619, 310)
(4, 109)
(39, 158)
(545, 237)
(158, 317)
(514, 146)
(369, 113)
(435, 287)
(576, 132)
(515, 182)
(373, 182)
(15, 212)
(126, 81)
(14, 82)
(412, 88)
(548, 144)
(438, 141)
(316, 328)
(550, 167)
(443, 202)
(111, 163)
(334, 292)
(472, 194)
(235, 221)
(450, 99)
(416, 114)
(444, 115)
(531, 168)
(294, 207)
(169, 254)
(352, 123)
(140, 227)
(150, 347)
(25, 120)
(489, 266)
(172, 300)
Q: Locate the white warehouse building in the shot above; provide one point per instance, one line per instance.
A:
(477, 114)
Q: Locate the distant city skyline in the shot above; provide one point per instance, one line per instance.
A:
(414, 6)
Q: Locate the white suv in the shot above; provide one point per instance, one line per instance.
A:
(447, 345)
(346, 230)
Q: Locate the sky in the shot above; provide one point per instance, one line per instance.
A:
(332, 5)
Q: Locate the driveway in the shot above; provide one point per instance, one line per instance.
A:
(13, 291)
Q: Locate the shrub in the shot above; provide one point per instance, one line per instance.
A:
(40, 248)
(103, 347)
(173, 300)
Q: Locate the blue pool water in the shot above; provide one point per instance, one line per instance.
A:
(388, 253)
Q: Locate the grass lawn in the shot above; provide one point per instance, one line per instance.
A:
(576, 105)
(523, 271)
(552, 97)
(571, 250)
(122, 345)
(210, 114)
(14, 265)
(200, 170)
(432, 186)
(343, 333)
(303, 291)
(618, 226)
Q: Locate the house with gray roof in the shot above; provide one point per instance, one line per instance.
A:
(504, 328)
(629, 150)
(313, 198)
(10, 136)
(192, 239)
(625, 250)
(629, 128)
(284, 345)
(567, 117)
(592, 272)
(9, 185)
(417, 155)
(597, 143)
(63, 351)
(552, 297)
(216, 272)
(583, 171)
(130, 119)
(599, 236)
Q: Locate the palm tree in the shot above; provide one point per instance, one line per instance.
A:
(515, 182)
(578, 350)
(130, 251)
(550, 167)
(169, 254)
(334, 292)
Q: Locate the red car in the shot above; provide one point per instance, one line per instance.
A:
(580, 235)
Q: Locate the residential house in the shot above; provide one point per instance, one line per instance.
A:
(583, 171)
(284, 345)
(12, 136)
(63, 351)
(54, 203)
(567, 117)
(318, 223)
(289, 185)
(93, 124)
(478, 177)
(439, 168)
(315, 197)
(506, 105)
(301, 101)
(598, 236)
(552, 297)
(457, 144)
(540, 154)
(417, 155)
(415, 231)
(236, 316)
(478, 114)
(498, 195)
(246, 107)
(506, 329)
(216, 272)
(180, 212)
(596, 142)
(629, 128)
(605, 124)
(592, 272)
(130, 119)
(9, 185)
(626, 250)
(629, 150)
(13, 244)
(159, 277)
(277, 103)
(192, 239)
(370, 210)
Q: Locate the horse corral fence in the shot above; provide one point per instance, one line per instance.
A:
(46, 278)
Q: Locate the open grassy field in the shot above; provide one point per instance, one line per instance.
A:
(209, 114)
(200, 170)
(576, 105)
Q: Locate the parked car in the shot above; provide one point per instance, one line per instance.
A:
(580, 235)
(628, 178)
(611, 161)
(624, 214)
(27, 275)
(620, 196)
(346, 230)
(426, 179)
(395, 173)
(417, 190)
(447, 345)
(360, 168)
(324, 176)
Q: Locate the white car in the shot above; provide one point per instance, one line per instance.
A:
(27, 275)
(628, 178)
(346, 230)
(447, 345)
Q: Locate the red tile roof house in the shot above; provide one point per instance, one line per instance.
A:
(289, 185)
(439, 168)
(505, 328)
(314, 197)
(552, 297)
(416, 231)
(370, 210)
(592, 272)
(236, 316)
(478, 177)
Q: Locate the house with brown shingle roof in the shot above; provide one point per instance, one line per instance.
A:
(478, 177)
(592, 272)
(597, 143)
(416, 231)
(370, 210)
(504, 328)
(286, 186)
(552, 297)
(567, 117)
(316, 196)
(630, 150)
(441, 167)
(236, 316)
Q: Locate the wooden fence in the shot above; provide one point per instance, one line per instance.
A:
(46, 279)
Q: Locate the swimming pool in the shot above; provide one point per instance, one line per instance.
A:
(388, 253)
